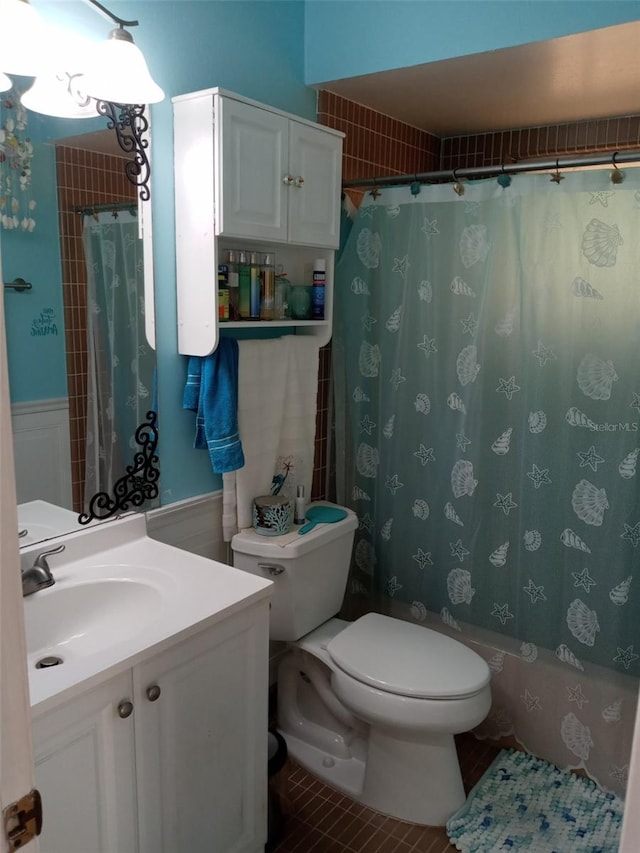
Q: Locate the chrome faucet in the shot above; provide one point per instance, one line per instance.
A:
(39, 575)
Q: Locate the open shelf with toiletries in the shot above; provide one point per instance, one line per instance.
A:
(255, 180)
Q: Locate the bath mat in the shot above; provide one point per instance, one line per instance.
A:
(525, 803)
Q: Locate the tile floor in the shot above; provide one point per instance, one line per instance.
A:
(318, 819)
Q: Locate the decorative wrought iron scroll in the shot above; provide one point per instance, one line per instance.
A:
(138, 485)
(130, 125)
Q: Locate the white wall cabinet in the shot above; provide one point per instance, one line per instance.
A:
(276, 178)
(186, 769)
(249, 176)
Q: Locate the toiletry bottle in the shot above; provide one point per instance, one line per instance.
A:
(267, 288)
(223, 293)
(280, 309)
(300, 512)
(254, 288)
(233, 282)
(244, 286)
(317, 293)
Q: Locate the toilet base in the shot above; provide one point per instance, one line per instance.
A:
(344, 774)
(427, 785)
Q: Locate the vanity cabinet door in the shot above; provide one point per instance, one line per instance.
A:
(201, 740)
(85, 771)
(315, 162)
(251, 171)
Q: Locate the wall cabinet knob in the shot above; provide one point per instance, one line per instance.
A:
(288, 180)
(299, 181)
(153, 693)
(125, 709)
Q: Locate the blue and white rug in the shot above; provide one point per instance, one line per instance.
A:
(525, 803)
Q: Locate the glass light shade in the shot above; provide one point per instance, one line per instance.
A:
(118, 73)
(5, 82)
(24, 39)
(50, 96)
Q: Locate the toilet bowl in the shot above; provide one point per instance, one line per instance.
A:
(370, 706)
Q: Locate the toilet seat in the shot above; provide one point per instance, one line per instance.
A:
(409, 660)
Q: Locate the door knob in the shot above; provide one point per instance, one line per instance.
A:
(125, 709)
(153, 693)
(299, 181)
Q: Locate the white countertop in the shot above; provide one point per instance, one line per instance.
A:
(143, 596)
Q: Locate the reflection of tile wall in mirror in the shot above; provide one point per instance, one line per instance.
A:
(84, 178)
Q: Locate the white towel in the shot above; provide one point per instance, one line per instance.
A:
(277, 403)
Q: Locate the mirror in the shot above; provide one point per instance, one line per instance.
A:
(81, 372)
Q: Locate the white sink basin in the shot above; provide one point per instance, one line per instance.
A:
(119, 597)
(83, 618)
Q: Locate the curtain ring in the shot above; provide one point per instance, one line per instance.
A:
(503, 179)
(458, 188)
(557, 177)
(616, 177)
(375, 192)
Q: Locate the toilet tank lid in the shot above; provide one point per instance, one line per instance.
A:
(407, 659)
(291, 545)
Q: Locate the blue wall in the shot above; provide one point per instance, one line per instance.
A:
(346, 38)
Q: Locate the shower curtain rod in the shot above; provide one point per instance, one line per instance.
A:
(446, 175)
(111, 207)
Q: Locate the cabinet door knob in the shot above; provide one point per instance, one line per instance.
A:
(288, 180)
(153, 693)
(125, 709)
(299, 181)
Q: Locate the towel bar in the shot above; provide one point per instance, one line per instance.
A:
(18, 284)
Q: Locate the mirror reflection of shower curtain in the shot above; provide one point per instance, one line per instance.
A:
(120, 361)
(486, 353)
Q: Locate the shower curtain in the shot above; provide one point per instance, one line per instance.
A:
(487, 373)
(120, 362)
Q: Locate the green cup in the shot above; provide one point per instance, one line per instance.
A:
(299, 300)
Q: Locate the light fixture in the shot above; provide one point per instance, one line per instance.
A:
(24, 38)
(118, 72)
(57, 95)
(75, 79)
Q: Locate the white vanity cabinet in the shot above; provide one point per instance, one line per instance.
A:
(201, 745)
(85, 771)
(182, 768)
(250, 176)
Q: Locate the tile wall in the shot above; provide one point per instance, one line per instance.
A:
(583, 137)
(84, 178)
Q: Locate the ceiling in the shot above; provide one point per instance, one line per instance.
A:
(583, 76)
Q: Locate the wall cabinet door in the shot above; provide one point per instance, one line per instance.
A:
(85, 771)
(251, 170)
(278, 179)
(315, 162)
(201, 741)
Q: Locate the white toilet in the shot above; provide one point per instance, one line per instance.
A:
(369, 706)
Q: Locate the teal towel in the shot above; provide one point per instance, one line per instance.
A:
(211, 391)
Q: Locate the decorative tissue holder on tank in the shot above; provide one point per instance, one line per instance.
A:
(271, 515)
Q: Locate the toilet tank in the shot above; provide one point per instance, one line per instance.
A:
(309, 572)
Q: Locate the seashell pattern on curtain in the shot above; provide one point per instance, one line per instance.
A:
(502, 340)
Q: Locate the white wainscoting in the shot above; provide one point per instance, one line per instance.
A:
(193, 524)
(42, 451)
